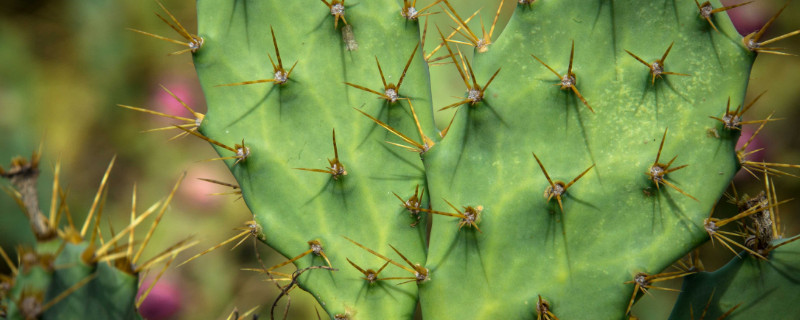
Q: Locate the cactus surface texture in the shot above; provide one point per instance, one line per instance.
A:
(591, 146)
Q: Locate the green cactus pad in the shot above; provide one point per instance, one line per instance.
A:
(615, 221)
(759, 288)
(288, 126)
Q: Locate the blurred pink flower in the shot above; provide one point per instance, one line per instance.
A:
(748, 18)
(197, 193)
(164, 102)
(162, 302)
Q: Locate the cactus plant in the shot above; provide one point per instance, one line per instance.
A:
(72, 273)
(591, 143)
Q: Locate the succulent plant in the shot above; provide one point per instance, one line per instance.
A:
(72, 272)
(593, 141)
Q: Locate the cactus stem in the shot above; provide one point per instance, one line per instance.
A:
(336, 168)
(557, 188)
(658, 171)
(657, 67)
(194, 42)
(568, 80)
(706, 10)
(391, 92)
(370, 275)
(543, 310)
(412, 204)
(337, 9)
(751, 41)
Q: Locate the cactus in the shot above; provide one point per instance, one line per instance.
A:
(592, 141)
(72, 273)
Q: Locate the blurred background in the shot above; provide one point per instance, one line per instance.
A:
(65, 64)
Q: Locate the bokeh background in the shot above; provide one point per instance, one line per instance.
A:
(65, 64)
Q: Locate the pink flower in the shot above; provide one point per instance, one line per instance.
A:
(164, 102)
(162, 302)
(748, 18)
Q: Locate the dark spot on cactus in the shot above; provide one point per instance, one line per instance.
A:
(193, 43)
(657, 67)
(658, 171)
(568, 80)
(349, 38)
(336, 168)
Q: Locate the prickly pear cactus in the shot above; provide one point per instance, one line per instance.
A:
(72, 273)
(577, 88)
(593, 140)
